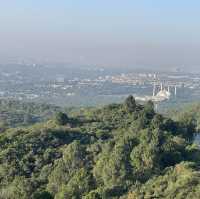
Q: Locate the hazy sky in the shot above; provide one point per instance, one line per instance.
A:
(104, 32)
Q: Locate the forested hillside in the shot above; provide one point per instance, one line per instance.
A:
(189, 110)
(120, 151)
(17, 113)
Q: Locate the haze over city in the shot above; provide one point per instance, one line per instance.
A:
(99, 99)
(146, 33)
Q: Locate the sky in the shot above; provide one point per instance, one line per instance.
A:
(133, 33)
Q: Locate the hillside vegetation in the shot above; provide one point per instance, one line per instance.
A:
(189, 110)
(120, 151)
(18, 113)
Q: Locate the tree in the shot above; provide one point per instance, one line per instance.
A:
(66, 167)
(157, 121)
(61, 118)
(130, 104)
(42, 195)
(188, 125)
(20, 187)
(149, 109)
(79, 184)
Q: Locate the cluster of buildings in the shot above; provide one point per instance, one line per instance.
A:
(158, 87)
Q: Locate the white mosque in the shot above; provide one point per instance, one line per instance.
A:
(162, 95)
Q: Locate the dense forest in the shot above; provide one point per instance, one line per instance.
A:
(120, 151)
(15, 113)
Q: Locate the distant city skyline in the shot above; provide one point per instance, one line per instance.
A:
(146, 33)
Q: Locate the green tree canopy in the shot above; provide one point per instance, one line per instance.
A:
(130, 104)
(61, 118)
